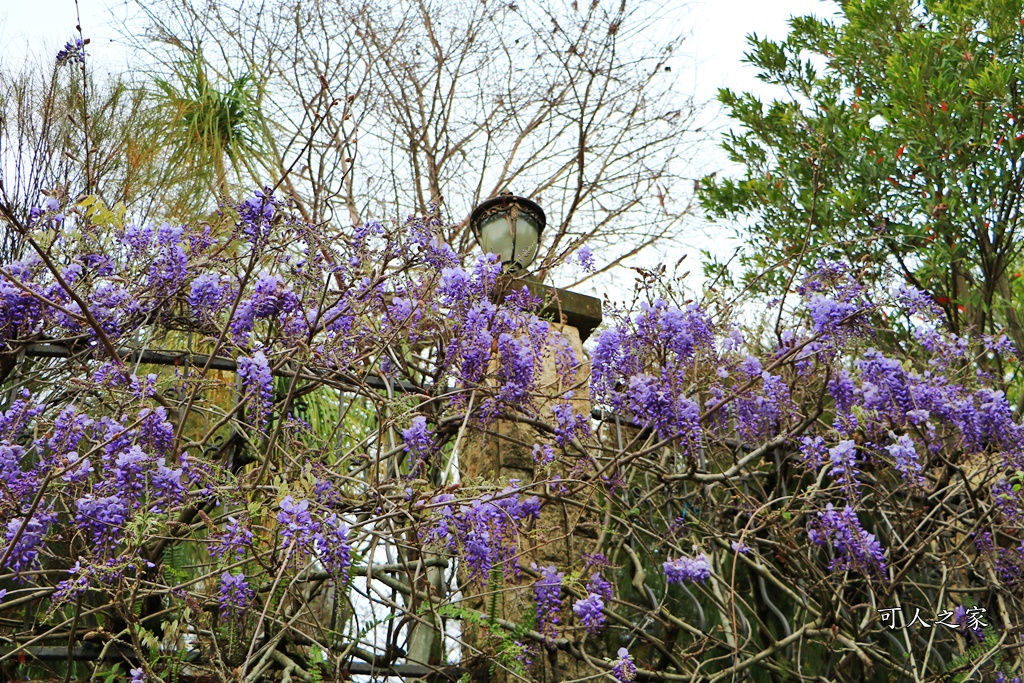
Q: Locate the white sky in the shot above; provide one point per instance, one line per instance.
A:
(711, 57)
(716, 46)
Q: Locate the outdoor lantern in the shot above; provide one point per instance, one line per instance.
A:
(510, 227)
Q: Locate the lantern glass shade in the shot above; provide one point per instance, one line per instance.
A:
(510, 227)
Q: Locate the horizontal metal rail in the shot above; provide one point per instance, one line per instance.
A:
(90, 652)
(227, 364)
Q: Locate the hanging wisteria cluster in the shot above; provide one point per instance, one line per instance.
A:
(257, 449)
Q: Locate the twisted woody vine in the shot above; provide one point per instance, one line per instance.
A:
(231, 451)
(761, 504)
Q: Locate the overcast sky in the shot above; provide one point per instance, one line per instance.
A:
(711, 57)
(713, 51)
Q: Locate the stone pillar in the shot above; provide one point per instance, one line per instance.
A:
(562, 534)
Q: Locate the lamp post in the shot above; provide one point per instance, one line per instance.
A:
(510, 227)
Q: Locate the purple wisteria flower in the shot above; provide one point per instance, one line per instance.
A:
(258, 382)
(1001, 345)
(27, 537)
(235, 594)
(403, 314)
(519, 357)
(19, 310)
(885, 384)
(418, 439)
(271, 297)
(944, 345)
(983, 418)
(111, 375)
(568, 423)
(733, 341)
(18, 415)
(144, 389)
(740, 547)
(256, 215)
(471, 348)
(167, 482)
(486, 529)
(111, 304)
(103, 517)
(812, 451)
(904, 452)
(456, 286)
(326, 538)
(72, 588)
(597, 584)
(843, 392)
(751, 366)
(168, 235)
(547, 593)
(918, 302)
(654, 403)
(1009, 499)
(643, 366)
(113, 435)
(233, 539)
(68, 429)
(589, 610)
(295, 520)
(128, 472)
(332, 547)
(18, 487)
(844, 467)
(856, 548)
(77, 469)
(543, 454)
(137, 239)
(585, 258)
(155, 430)
(983, 541)
(207, 296)
(169, 270)
(690, 569)
(73, 52)
(624, 670)
(1010, 565)
(829, 315)
(681, 331)
(759, 416)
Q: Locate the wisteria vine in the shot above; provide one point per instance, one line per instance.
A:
(245, 447)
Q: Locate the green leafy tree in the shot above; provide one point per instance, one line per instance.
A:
(209, 129)
(898, 146)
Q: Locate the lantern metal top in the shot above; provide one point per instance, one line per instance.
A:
(512, 207)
